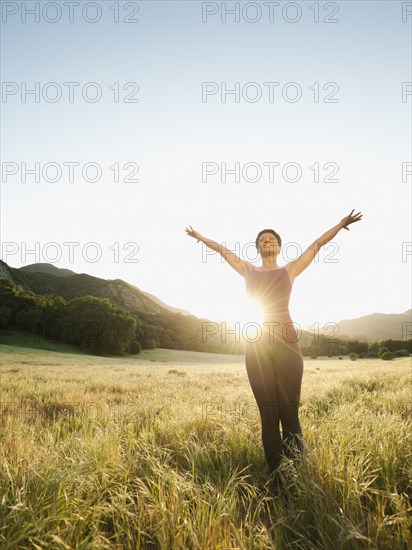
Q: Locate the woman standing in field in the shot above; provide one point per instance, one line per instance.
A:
(274, 361)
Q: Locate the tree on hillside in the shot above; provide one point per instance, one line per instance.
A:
(97, 326)
(4, 316)
(357, 347)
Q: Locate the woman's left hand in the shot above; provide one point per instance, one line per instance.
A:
(351, 219)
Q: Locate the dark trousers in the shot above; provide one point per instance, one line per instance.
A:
(275, 372)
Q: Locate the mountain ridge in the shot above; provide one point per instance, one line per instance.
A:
(144, 301)
(43, 278)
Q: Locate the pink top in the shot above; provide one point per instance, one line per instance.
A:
(271, 289)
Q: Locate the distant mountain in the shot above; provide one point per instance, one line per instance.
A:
(47, 268)
(159, 325)
(43, 278)
(5, 271)
(378, 326)
(166, 306)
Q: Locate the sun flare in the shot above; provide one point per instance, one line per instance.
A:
(245, 312)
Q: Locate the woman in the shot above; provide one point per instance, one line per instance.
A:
(274, 361)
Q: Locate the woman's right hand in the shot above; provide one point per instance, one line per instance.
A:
(192, 233)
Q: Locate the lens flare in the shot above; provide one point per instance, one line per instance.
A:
(245, 312)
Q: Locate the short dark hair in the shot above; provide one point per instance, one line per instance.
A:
(268, 231)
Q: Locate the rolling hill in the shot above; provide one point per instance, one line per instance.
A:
(43, 278)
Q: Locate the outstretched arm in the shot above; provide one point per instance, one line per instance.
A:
(297, 266)
(232, 259)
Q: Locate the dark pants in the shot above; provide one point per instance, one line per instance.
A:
(275, 372)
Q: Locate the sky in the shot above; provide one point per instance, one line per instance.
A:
(125, 122)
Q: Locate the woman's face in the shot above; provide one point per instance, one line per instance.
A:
(268, 242)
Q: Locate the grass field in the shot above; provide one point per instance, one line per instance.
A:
(163, 450)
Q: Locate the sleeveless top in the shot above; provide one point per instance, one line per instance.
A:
(271, 290)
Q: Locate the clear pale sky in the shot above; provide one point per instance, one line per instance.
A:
(360, 61)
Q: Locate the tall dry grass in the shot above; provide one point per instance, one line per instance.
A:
(164, 451)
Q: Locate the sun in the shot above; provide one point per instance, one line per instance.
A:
(245, 313)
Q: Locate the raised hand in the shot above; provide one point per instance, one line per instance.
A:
(192, 233)
(351, 219)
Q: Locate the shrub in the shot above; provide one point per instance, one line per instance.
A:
(387, 356)
(353, 356)
(382, 351)
(401, 353)
(135, 347)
